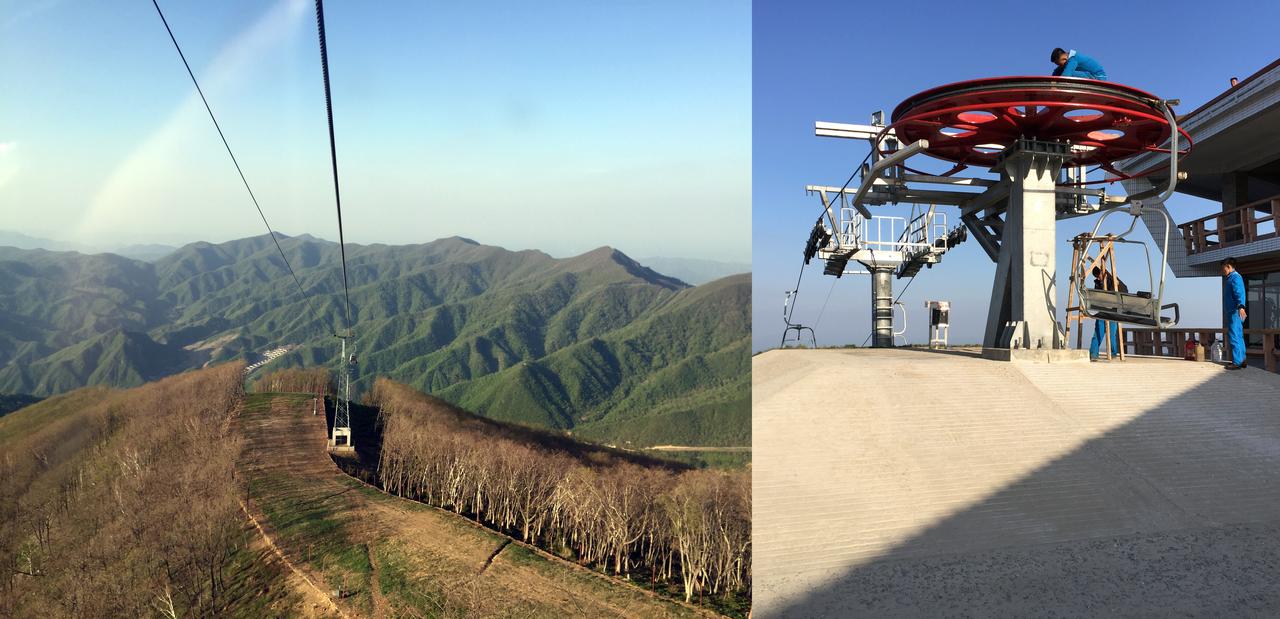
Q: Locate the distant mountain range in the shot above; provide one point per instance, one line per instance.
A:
(598, 343)
(695, 271)
(146, 251)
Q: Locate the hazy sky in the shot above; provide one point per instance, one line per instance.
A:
(841, 61)
(560, 126)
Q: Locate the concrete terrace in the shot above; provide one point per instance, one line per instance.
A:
(914, 483)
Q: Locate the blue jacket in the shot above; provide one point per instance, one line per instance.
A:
(1233, 293)
(1079, 65)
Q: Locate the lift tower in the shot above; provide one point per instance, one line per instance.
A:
(1037, 135)
(341, 440)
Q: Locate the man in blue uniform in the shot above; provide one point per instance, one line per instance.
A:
(1233, 313)
(1104, 280)
(1072, 64)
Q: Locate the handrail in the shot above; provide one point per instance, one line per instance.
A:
(1251, 205)
(1242, 218)
(1156, 341)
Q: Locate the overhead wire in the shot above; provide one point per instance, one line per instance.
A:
(226, 144)
(333, 156)
(818, 322)
(796, 293)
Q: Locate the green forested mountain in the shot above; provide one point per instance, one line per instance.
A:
(10, 402)
(596, 343)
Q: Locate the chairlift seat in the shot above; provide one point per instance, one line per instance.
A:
(1128, 307)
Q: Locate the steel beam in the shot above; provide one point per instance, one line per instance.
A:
(849, 131)
(897, 157)
(948, 180)
(886, 192)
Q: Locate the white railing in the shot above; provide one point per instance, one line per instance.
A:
(889, 233)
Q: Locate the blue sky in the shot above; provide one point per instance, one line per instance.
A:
(840, 61)
(560, 126)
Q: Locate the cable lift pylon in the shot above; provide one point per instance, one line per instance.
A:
(341, 438)
(1031, 132)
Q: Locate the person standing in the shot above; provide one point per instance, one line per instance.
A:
(1103, 280)
(1072, 64)
(1233, 313)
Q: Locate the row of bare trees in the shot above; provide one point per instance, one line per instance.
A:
(297, 380)
(122, 503)
(633, 518)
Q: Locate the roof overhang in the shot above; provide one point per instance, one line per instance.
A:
(1236, 132)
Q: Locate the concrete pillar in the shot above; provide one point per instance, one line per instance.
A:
(1022, 312)
(881, 307)
(1235, 193)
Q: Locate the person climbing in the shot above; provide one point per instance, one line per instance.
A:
(1233, 313)
(1072, 64)
(1103, 280)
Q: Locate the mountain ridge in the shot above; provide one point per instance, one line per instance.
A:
(520, 335)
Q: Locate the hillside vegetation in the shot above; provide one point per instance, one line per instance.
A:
(596, 343)
(185, 497)
(610, 511)
(123, 503)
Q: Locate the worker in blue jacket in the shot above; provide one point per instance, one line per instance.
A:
(1072, 64)
(1233, 313)
(1104, 280)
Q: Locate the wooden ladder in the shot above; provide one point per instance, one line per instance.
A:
(1075, 309)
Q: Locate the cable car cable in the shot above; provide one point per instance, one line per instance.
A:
(333, 155)
(229, 152)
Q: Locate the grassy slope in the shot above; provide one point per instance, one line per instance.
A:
(398, 555)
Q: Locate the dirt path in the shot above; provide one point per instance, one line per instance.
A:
(311, 594)
(398, 557)
(380, 606)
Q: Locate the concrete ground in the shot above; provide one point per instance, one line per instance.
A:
(915, 483)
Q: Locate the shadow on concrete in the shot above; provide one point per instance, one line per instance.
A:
(972, 353)
(1174, 513)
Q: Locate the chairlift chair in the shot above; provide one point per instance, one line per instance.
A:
(798, 328)
(1138, 308)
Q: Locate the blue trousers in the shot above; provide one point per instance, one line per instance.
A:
(1235, 336)
(1098, 337)
(1079, 73)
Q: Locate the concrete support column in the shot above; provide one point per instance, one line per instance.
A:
(1235, 193)
(1023, 300)
(881, 306)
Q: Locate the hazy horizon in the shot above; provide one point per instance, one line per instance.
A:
(71, 245)
(557, 127)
